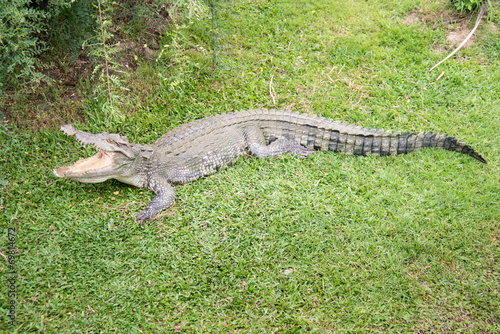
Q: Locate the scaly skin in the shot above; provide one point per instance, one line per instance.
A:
(202, 147)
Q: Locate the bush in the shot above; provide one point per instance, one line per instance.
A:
(468, 5)
(71, 24)
(63, 27)
(19, 42)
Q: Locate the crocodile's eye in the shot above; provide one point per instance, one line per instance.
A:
(115, 143)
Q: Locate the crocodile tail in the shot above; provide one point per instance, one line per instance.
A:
(350, 139)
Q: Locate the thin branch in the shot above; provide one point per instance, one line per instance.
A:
(104, 49)
(483, 7)
(440, 76)
(271, 89)
(211, 4)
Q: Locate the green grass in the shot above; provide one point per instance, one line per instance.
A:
(331, 243)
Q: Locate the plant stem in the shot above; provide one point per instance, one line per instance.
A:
(105, 51)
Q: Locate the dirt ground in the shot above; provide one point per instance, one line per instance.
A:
(459, 25)
(60, 98)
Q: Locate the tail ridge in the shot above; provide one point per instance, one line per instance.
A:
(351, 139)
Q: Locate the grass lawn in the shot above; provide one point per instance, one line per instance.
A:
(327, 244)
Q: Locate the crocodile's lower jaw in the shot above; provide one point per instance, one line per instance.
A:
(87, 167)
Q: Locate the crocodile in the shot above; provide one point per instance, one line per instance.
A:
(202, 147)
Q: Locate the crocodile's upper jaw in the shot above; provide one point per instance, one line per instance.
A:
(98, 168)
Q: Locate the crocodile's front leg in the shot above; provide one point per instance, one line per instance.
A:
(165, 196)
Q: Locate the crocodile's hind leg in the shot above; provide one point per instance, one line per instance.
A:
(258, 146)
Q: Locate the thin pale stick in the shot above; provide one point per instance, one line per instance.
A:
(483, 6)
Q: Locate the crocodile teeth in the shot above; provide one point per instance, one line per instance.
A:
(99, 161)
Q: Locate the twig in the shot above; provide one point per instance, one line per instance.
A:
(271, 89)
(110, 299)
(440, 76)
(104, 48)
(211, 4)
(341, 69)
(483, 7)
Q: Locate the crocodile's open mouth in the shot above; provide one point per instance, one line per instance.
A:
(96, 163)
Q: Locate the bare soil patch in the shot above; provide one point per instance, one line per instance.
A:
(55, 101)
(454, 38)
(456, 23)
(411, 18)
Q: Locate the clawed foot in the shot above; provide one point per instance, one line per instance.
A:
(164, 198)
(142, 216)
